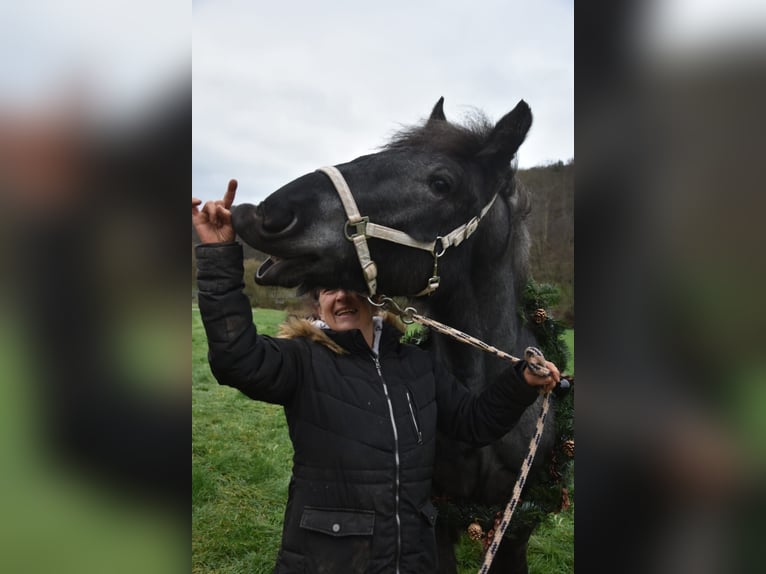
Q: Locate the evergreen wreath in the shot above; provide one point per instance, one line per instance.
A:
(549, 491)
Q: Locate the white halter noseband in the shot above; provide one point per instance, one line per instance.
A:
(363, 228)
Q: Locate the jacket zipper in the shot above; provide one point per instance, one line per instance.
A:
(396, 459)
(413, 419)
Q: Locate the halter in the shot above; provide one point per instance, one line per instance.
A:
(358, 228)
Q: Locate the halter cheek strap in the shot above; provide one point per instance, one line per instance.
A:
(358, 228)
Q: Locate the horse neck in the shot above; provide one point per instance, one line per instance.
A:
(484, 306)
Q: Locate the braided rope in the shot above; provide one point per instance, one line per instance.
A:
(513, 502)
(536, 363)
(533, 355)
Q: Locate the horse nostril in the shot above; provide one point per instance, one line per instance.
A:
(275, 219)
(250, 221)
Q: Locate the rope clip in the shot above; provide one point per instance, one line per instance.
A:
(384, 302)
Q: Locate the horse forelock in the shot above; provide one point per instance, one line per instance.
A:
(462, 142)
(456, 140)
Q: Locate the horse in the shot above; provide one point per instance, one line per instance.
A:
(428, 180)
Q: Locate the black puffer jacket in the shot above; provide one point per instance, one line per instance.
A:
(363, 427)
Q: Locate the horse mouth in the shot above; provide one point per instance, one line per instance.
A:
(283, 271)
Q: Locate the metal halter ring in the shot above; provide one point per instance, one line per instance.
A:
(438, 243)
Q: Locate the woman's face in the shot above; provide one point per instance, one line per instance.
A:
(343, 310)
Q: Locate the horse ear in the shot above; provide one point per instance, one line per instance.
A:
(508, 135)
(437, 114)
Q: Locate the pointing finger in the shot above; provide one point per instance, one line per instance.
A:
(231, 191)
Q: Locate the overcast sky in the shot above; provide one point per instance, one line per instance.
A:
(281, 88)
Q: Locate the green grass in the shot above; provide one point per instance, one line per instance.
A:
(241, 457)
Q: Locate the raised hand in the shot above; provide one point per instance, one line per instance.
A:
(213, 221)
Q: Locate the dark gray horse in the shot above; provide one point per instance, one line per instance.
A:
(428, 181)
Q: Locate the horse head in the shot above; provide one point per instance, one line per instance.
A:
(427, 182)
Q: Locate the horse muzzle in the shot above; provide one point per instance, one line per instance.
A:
(244, 219)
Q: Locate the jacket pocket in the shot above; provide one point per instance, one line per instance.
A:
(337, 540)
(429, 513)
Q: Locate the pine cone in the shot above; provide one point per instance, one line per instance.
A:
(568, 448)
(475, 531)
(539, 316)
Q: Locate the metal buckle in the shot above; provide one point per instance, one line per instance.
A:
(361, 228)
(433, 283)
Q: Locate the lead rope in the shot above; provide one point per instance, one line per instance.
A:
(535, 361)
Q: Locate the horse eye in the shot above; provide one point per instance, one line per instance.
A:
(440, 185)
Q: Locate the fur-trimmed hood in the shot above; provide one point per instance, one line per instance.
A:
(295, 327)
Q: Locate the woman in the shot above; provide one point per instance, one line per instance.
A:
(362, 409)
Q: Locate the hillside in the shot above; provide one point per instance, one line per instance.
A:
(551, 227)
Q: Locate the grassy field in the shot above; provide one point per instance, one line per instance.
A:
(241, 458)
(569, 339)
